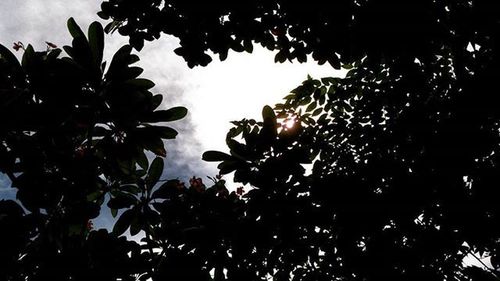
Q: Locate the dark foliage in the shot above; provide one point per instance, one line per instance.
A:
(74, 132)
(403, 172)
(403, 182)
(332, 31)
(404, 150)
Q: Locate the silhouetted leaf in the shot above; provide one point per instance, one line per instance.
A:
(141, 83)
(215, 156)
(74, 29)
(96, 41)
(121, 200)
(172, 114)
(166, 190)
(154, 173)
(123, 223)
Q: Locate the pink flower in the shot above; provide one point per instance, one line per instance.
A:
(90, 225)
(18, 45)
(240, 190)
(80, 152)
(197, 184)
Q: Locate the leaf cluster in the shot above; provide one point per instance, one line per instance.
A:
(337, 32)
(74, 134)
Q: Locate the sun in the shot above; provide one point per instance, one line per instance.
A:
(289, 123)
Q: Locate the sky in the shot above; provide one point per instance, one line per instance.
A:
(215, 95)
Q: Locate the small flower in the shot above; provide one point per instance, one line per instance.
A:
(197, 184)
(18, 45)
(240, 190)
(51, 45)
(219, 176)
(180, 186)
(90, 225)
(80, 152)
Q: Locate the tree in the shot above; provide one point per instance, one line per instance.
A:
(336, 31)
(73, 133)
(402, 185)
(404, 149)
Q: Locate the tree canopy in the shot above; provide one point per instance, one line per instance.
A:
(389, 173)
(404, 149)
(73, 133)
(335, 31)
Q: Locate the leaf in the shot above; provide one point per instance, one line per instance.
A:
(268, 113)
(330, 80)
(166, 190)
(280, 57)
(317, 111)
(141, 83)
(142, 160)
(102, 15)
(120, 59)
(74, 29)
(131, 72)
(223, 55)
(122, 200)
(114, 212)
(136, 42)
(237, 46)
(155, 145)
(135, 226)
(112, 26)
(150, 216)
(134, 189)
(69, 50)
(270, 124)
(228, 166)
(163, 132)
(347, 66)
(96, 41)
(123, 222)
(126, 165)
(100, 131)
(94, 196)
(156, 102)
(75, 229)
(140, 173)
(239, 150)
(247, 44)
(172, 114)
(215, 156)
(154, 173)
(311, 107)
(10, 58)
(28, 56)
(334, 61)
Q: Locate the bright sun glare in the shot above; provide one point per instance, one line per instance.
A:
(289, 122)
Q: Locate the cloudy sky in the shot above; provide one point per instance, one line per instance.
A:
(215, 95)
